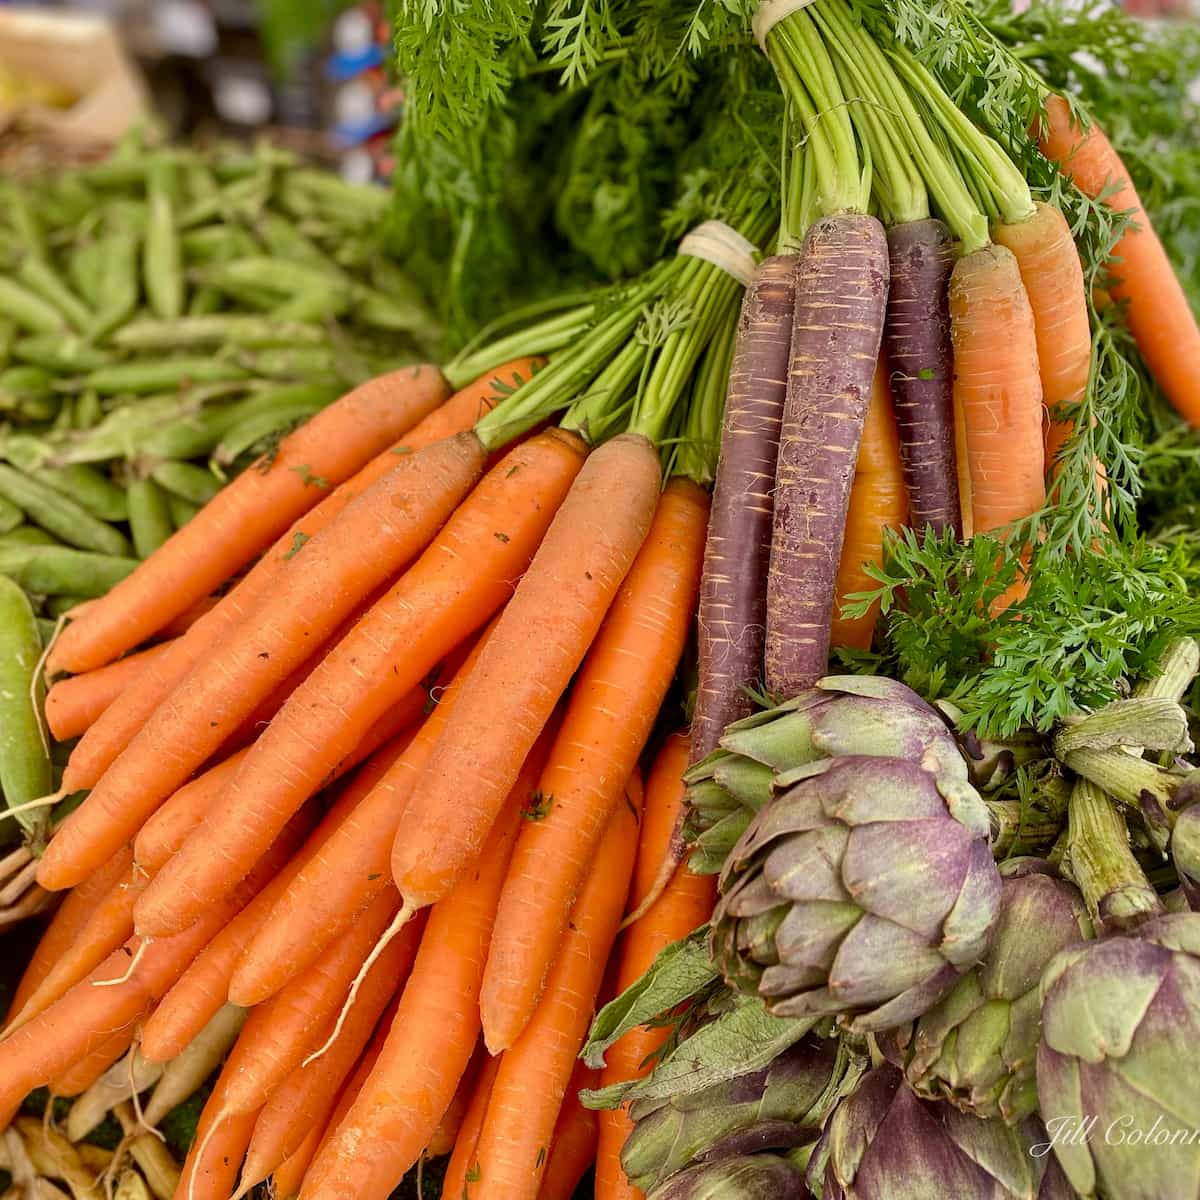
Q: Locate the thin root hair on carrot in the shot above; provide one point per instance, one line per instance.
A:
(402, 918)
(129, 970)
(47, 801)
(39, 674)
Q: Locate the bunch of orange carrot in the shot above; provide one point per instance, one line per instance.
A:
(383, 793)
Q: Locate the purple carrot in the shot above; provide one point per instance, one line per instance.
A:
(733, 602)
(917, 330)
(841, 293)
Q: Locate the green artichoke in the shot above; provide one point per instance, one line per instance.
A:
(841, 715)
(977, 1046)
(884, 1143)
(1118, 1089)
(746, 1177)
(864, 888)
(777, 1108)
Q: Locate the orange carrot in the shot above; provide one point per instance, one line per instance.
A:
(82, 1073)
(101, 745)
(66, 1031)
(166, 831)
(684, 904)
(533, 1076)
(289, 1175)
(65, 928)
(573, 1147)
(289, 1178)
(1157, 308)
(997, 392)
(109, 924)
(446, 1134)
(539, 642)
(461, 580)
(372, 539)
(279, 1035)
(204, 986)
(73, 704)
(215, 1156)
(350, 870)
(1053, 278)
(248, 515)
(399, 1107)
(463, 1167)
(878, 501)
(614, 704)
(308, 1095)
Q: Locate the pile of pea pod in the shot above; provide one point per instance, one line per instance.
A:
(165, 316)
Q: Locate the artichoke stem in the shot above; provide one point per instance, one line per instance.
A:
(1156, 793)
(1013, 833)
(1099, 859)
(1173, 676)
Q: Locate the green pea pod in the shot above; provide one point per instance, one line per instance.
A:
(303, 362)
(59, 514)
(228, 329)
(284, 240)
(216, 244)
(60, 352)
(205, 301)
(28, 535)
(26, 394)
(163, 426)
(85, 268)
(260, 433)
(158, 375)
(57, 605)
(8, 336)
(312, 305)
(25, 769)
(90, 489)
(67, 202)
(162, 263)
(122, 284)
(199, 181)
(187, 480)
(10, 516)
(182, 511)
(149, 516)
(88, 409)
(282, 278)
(27, 309)
(335, 198)
(61, 571)
(64, 419)
(27, 224)
(40, 277)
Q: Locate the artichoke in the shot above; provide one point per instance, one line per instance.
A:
(864, 888)
(746, 1177)
(841, 715)
(884, 1143)
(977, 1047)
(1120, 1023)
(777, 1108)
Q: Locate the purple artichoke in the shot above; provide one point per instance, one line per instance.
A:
(777, 1108)
(863, 889)
(884, 1143)
(746, 1177)
(977, 1047)
(1118, 1089)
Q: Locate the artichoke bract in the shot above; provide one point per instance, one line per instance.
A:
(865, 886)
(746, 1177)
(1115, 1070)
(885, 1143)
(842, 715)
(777, 1108)
(977, 1047)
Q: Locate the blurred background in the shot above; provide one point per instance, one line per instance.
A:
(308, 74)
